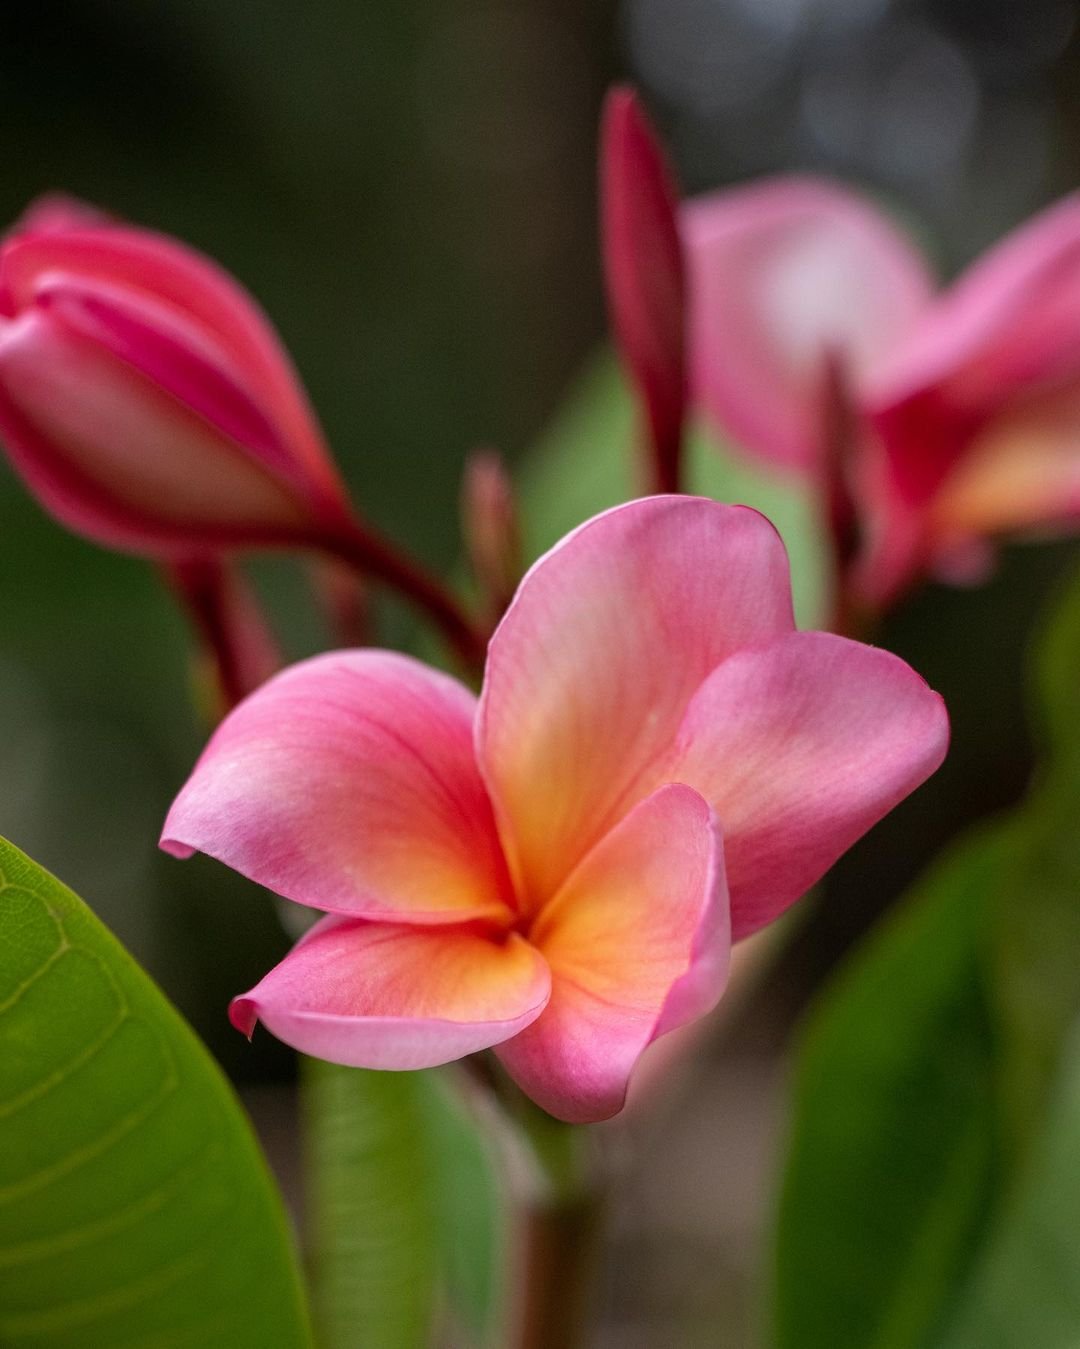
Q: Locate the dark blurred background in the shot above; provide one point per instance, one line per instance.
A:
(409, 189)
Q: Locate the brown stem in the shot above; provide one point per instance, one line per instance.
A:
(377, 557)
(560, 1248)
(560, 1220)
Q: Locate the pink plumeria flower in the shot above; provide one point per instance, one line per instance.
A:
(144, 397)
(658, 764)
(967, 402)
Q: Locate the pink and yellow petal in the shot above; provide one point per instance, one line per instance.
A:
(637, 941)
(800, 748)
(591, 670)
(1023, 472)
(375, 995)
(348, 783)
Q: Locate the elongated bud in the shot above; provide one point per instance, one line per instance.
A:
(144, 397)
(490, 524)
(644, 275)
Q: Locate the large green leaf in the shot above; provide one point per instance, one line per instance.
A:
(135, 1207)
(1026, 1294)
(587, 460)
(924, 1076)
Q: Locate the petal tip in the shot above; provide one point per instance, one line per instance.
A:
(244, 1015)
(175, 848)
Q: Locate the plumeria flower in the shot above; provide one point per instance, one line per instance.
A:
(966, 402)
(658, 764)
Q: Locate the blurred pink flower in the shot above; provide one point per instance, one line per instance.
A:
(144, 397)
(658, 763)
(967, 403)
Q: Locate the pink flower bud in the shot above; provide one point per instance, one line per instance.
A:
(643, 271)
(144, 397)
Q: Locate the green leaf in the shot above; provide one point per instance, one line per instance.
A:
(405, 1211)
(371, 1208)
(587, 461)
(470, 1191)
(925, 1073)
(135, 1207)
(1027, 1292)
(892, 1156)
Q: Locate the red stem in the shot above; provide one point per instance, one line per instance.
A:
(228, 620)
(666, 441)
(377, 557)
(344, 600)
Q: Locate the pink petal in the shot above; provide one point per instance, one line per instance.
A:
(116, 458)
(800, 747)
(638, 943)
(591, 670)
(152, 264)
(1010, 327)
(172, 353)
(376, 995)
(348, 783)
(643, 267)
(782, 273)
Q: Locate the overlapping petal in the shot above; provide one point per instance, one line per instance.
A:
(591, 670)
(348, 782)
(781, 274)
(637, 941)
(378, 995)
(799, 748)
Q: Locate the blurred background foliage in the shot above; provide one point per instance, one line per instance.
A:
(409, 190)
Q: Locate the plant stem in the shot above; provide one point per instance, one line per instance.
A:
(560, 1227)
(227, 618)
(343, 596)
(375, 556)
(560, 1249)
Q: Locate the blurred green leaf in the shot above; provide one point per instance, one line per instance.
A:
(371, 1208)
(892, 1157)
(404, 1210)
(472, 1214)
(587, 461)
(1033, 950)
(1056, 682)
(1027, 1292)
(135, 1207)
(924, 1076)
